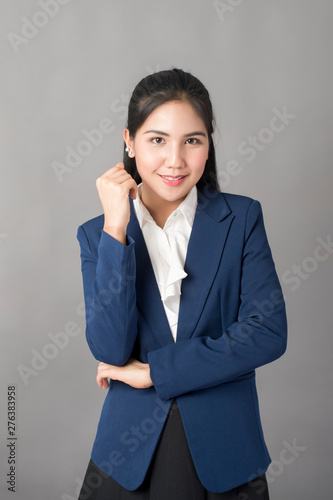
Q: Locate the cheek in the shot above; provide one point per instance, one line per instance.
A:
(145, 157)
(199, 161)
(147, 161)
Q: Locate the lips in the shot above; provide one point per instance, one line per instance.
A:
(173, 178)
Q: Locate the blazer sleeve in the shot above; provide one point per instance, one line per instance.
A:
(257, 337)
(110, 297)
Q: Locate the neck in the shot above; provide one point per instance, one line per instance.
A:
(158, 208)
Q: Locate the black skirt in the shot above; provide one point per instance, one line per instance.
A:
(171, 474)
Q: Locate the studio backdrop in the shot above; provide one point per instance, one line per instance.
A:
(67, 73)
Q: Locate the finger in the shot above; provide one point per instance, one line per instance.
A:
(124, 179)
(102, 381)
(117, 173)
(105, 383)
(114, 178)
(119, 166)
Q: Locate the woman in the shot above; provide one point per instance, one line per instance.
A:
(183, 303)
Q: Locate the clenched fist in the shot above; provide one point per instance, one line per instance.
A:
(113, 188)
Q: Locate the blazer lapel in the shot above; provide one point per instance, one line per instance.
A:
(205, 248)
(148, 297)
(208, 236)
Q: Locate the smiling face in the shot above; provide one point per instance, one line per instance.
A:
(172, 143)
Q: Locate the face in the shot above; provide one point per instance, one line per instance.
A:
(171, 150)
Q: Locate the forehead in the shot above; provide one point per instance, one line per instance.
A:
(174, 114)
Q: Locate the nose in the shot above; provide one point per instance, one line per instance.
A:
(175, 157)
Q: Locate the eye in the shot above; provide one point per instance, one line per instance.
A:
(194, 141)
(157, 140)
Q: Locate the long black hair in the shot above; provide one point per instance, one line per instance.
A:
(159, 88)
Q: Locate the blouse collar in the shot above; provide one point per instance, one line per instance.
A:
(187, 207)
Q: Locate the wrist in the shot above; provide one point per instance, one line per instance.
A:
(116, 233)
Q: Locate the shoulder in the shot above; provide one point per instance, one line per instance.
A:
(90, 231)
(94, 223)
(238, 202)
(220, 205)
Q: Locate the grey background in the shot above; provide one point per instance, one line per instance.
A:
(80, 68)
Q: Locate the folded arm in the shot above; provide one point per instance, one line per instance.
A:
(110, 297)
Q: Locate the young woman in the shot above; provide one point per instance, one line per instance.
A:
(183, 303)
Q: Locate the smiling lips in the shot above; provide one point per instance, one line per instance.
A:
(173, 180)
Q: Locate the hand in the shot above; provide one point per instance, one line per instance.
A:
(133, 373)
(113, 187)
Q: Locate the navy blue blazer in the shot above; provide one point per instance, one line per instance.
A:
(232, 320)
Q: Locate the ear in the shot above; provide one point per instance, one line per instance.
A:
(128, 140)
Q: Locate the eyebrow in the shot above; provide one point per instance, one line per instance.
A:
(159, 132)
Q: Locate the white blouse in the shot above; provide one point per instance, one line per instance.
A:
(167, 250)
